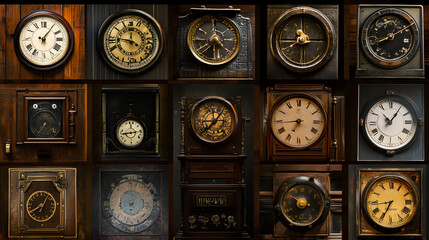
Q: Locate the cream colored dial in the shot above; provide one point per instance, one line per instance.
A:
(298, 121)
(44, 41)
(391, 202)
(130, 133)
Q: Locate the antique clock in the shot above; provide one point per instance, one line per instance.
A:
(302, 203)
(130, 121)
(390, 38)
(130, 41)
(43, 40)
(213, 125)
(390, 202)
(45, 118)
(299, 119)
(131, 202)
(391, 122)
(42, 203)
(214, 43)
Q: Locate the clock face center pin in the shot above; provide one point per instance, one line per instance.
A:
(214, 39)
(301, 203)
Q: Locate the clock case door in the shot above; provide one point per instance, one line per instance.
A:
(22, 182)
(322, 149)
(191, 145)
(103, 175)
(145, 107)
(365, 175)
(413, 69)
(368, 93)
(277, 71)
(239, 68)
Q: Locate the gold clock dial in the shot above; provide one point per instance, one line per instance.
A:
(213, 119)
(131, 41)
(130, 132)
(390, 201)
(214, 40)
(41, 206)
(298, 121)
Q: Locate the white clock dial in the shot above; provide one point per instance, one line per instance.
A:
(130, 133)
(298, 122)
(44, 40)
(391, 124)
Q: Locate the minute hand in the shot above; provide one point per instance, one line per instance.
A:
(393, 34)
(396, 113)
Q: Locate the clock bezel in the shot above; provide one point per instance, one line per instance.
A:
(126, 12)
(295, 181)
(29, 17)
(136, 120)
(279, 101)
(327, 28)
(364, 196)
(375, 59)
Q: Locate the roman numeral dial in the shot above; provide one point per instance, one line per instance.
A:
(390, 201)
(298, 121)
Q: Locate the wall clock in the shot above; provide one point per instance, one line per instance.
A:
(45, 201)
(45, 118)
(299, 122)
(43, 40)
(130, 121)
(302, 203)
(214, 40)
(130, 41)
(390, 123)
(302, 39)
(390, 38)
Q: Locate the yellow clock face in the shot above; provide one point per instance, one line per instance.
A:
(298, 121)
(390, 201)
(130, 133)
(214, 40)
(131, 42)
(213, 119)
(41, 206)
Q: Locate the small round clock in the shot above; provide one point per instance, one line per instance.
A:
(132, 205)
(302, 39)
(45, 119)
(130, 41)
(213, 119)
(298, 120)
(302, 203)
(43, 40)
(130, 132)
(390, 38)
(214, 40)
(390, 202)
(390, 123)
(41, 206)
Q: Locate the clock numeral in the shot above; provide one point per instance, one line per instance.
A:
(308, 105)
(44, 24)
(381, 106)
(315, 112)
(29, 47)
(381, 138)
(130, 24)
(43, 55)
(113, 48)
(372, 123)
(390, 219)
(298, 140)
(400, 218)
(408, 202)
(111, 39)
(289, 105)
(390, 104)
(382, 216)
(373, 113)
(313, 130)
(57, 47)
(139, 23)
(406, 131)
(288, 137)
(59, 39)
(106, 203)
(57, 32)
(405, 114)
(408, 122)
(35, 25)
(406, 194)
(399, 187)
(35, 52)
(52, 54)
(281, 130)
(374, 131)
(406, 40)
(373, 202)
(391, 185)
(30, 30)
(133, 60)
(378, 194)
(406, 210)
(375, 211)
(298, 102)
(282, 111)
(317, 121)
(381, 185)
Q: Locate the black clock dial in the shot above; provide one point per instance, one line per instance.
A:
(41, 206)
(45, 119)
(390, 38)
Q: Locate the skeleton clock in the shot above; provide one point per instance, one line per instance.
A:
(42, 203)
(390, 41)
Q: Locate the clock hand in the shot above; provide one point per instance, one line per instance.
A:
(43, 204)
(44, 124)
(44, 37)
(130, 41)
(388, 206)
(283, 49)
(126, 133)
(396, 113)
(34, 209)
(391, 35)
(213, 121)
(389, 122)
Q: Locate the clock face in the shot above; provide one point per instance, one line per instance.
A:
(214, 40)
(391, 123)
(302, 39)
(213, 119)
(41, 206)
(390, 38)
(130, 132)
(45, 119)
(390, 201)
(132, 204)
(130, 41)
(298, 121)
(43, 40)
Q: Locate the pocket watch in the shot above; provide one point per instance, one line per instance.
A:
(213, 119)
(390, 202)
(302, 39)
(390, 38)
(45, 118)
(390, 123)
(133, 204)
(298, 120)
(302, 203)
(130, 41)
(214, 39)
(43, 40)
